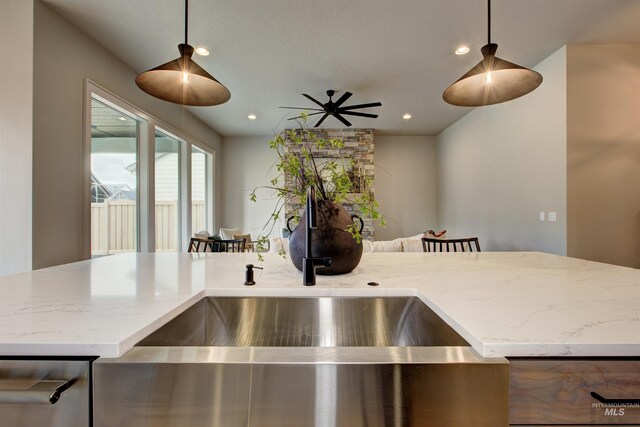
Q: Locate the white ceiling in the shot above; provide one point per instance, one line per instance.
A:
(399, 52)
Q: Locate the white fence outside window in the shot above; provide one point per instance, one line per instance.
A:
(113, 226)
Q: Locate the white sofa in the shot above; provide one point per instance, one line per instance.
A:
(401, 244)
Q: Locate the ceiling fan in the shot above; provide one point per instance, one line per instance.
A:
(335, 109)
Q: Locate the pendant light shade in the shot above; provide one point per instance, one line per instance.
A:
(182, 81)
(492, 80)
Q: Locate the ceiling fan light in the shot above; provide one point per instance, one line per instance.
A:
(492, 81)
(168, 82)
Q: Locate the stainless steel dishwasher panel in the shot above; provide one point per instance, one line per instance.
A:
(54, 392)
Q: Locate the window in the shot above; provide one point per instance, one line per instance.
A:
(114, 185)
(167, 186)
(148, 186)
(201, 215)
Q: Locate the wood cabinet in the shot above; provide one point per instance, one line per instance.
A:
(558, 391)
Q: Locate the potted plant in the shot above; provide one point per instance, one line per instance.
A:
(298, 167)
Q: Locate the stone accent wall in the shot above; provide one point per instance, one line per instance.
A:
(358, 145)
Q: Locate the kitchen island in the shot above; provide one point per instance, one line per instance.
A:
(509, 304)
(559, 321)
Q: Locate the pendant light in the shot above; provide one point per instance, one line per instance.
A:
(493, 80)
(182, 81)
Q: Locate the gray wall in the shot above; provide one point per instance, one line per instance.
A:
(603, 180)
(16, 117)
(500, 165)
(63, 58)
(246, 164)
(404, 184)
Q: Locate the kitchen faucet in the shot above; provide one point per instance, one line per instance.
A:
(309, 263)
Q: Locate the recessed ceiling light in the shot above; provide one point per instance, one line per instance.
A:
(122, 118)
(202, 51)
(462, 50)
(407, 116)
(251, 116)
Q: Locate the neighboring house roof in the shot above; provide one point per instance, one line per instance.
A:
(124, 195)
(121, 191)
(101, 191)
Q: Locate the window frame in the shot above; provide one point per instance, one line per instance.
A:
(210, 159)
(184, 194)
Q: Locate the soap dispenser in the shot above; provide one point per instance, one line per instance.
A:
(248, 275)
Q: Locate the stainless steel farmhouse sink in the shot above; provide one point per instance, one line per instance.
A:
(307, 322)
(325, 361)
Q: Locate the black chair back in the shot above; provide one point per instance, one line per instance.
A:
(201, 245)
(229, 245)
(450, 245)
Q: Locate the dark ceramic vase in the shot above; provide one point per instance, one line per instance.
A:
(329, 239)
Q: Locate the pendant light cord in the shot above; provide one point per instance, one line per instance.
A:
(186, 20)
(489, 22)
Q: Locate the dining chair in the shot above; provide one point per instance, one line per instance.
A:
(236, 245)
(466, 244)
(248, 244)
(197, 244)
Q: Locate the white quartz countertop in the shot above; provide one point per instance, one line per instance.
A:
(502, 303)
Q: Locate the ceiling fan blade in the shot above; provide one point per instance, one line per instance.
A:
(355, 107)
(342, 99)
(342, 119)
(314, 100)
(303, 108)
(310, 114)
(321, 120)
(353, 113)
